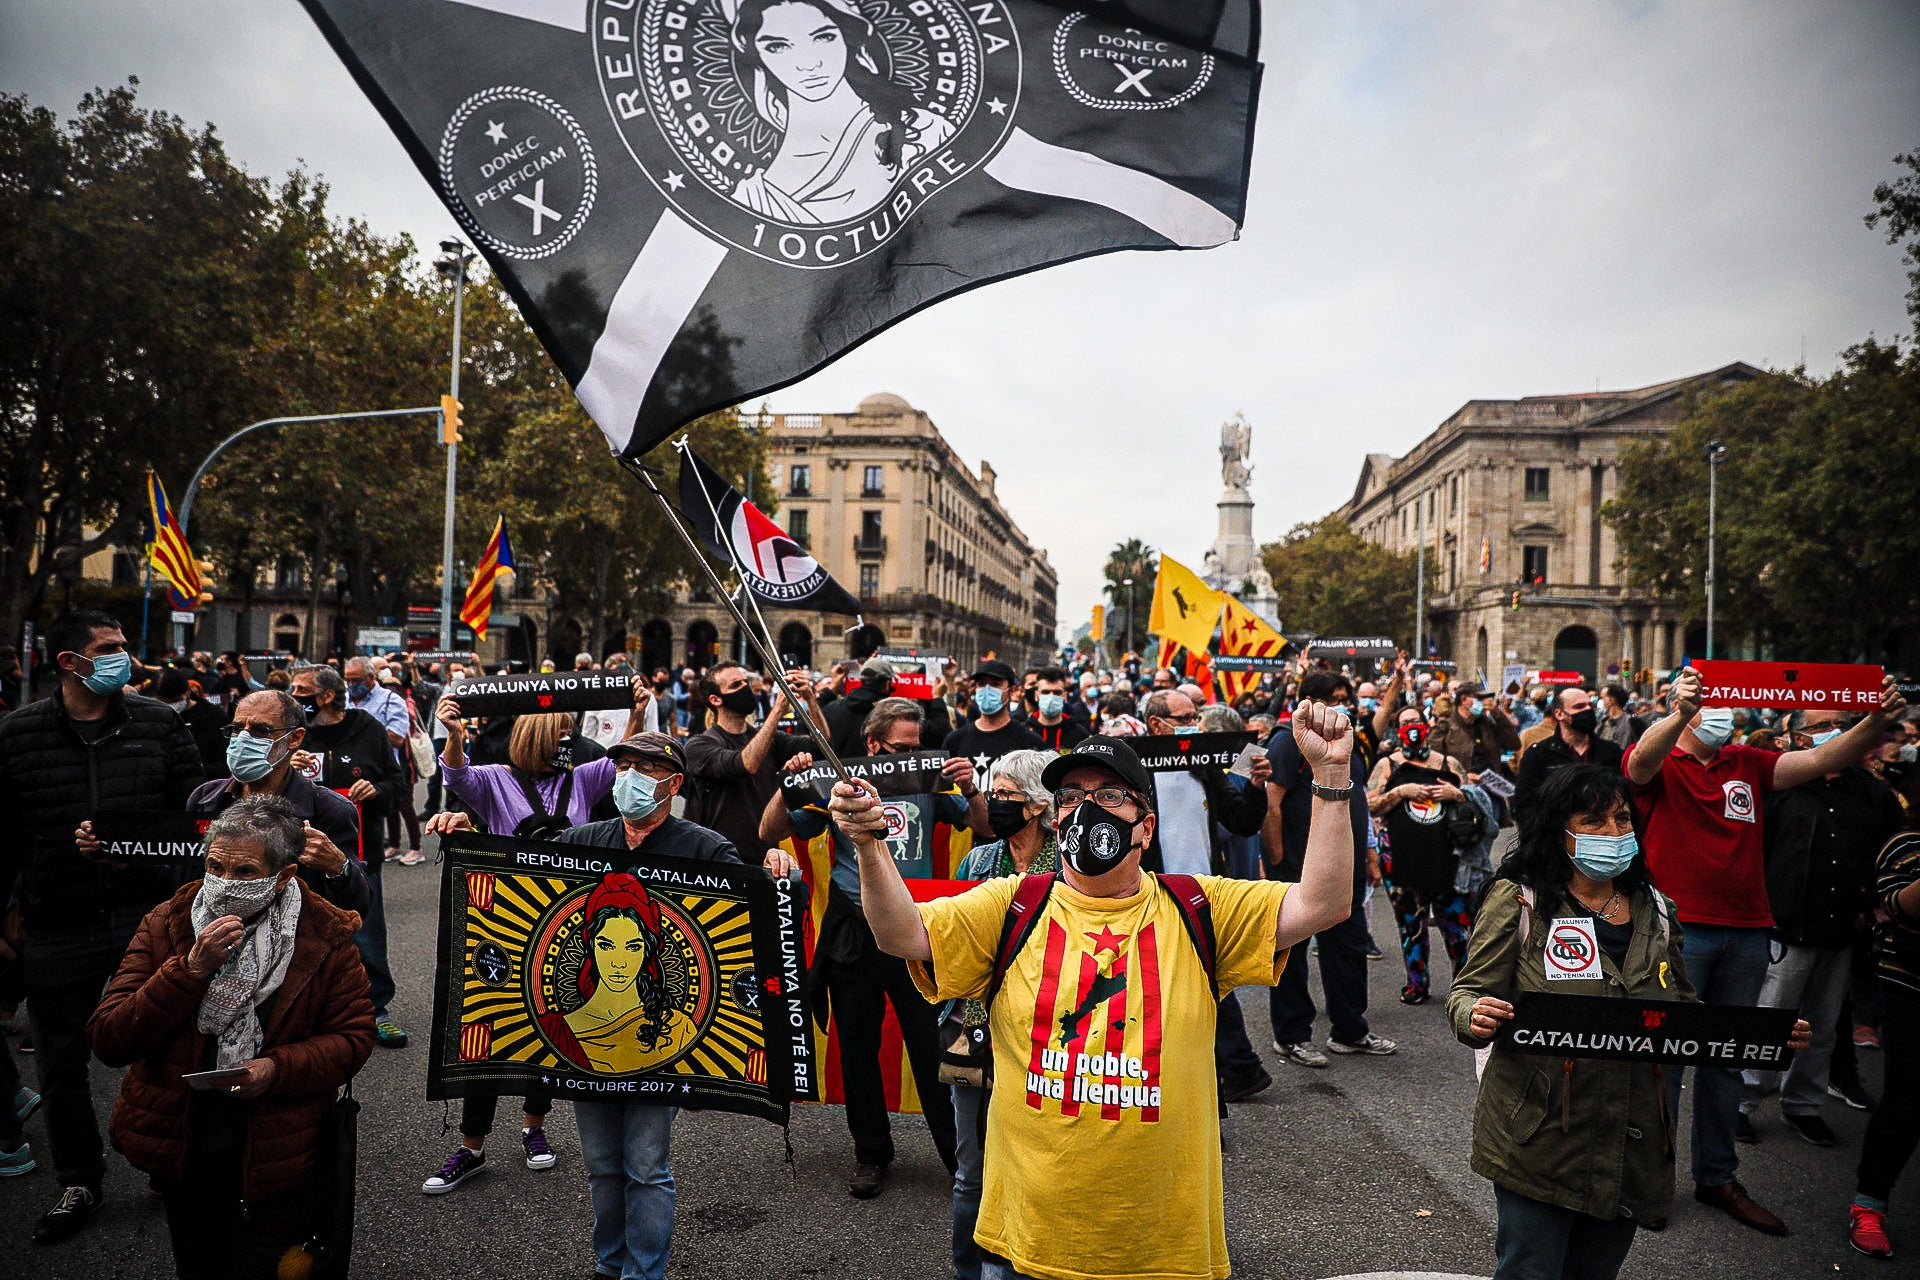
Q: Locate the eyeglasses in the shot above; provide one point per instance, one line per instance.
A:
(265, 731)
(1021, 796)
(1106, 797)
(1184, 722)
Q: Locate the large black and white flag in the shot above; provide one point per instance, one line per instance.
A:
(772, 565)
(694, 201)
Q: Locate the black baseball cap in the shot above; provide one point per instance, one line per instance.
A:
(659, 747)
(993, 669)
(1109, 753)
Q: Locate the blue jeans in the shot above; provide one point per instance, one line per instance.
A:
(967, 1151)
(1540, 1241)
(372, 941)
(630, 1181)
(993, 1269)
(1726, 966)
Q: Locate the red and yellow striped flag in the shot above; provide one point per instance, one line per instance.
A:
(169, 552)
(1243, 633)
(478, 606)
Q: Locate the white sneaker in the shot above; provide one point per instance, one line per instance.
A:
(1300, 1055)
(1376, 1045)
(539, 1154)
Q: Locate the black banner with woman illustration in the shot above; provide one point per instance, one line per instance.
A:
(584, 972)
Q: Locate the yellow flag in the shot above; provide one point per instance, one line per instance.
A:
(1245, 633)
(1185, 609)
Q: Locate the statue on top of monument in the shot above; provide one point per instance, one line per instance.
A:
(1236, 445)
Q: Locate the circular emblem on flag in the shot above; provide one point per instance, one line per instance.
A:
(625, 982)
(745, 990)
(778, 568)
(808, 132)
(1126, 70)
(492, 965)
(518, 171)
(1425, 812)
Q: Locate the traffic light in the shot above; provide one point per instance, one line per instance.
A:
(205, 568)
(1516, 599)
(1098, 631)
(449, 420)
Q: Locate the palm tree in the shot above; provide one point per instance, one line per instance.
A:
(1136, 560)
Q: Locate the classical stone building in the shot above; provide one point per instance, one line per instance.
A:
(883, 502)
(1506, 495)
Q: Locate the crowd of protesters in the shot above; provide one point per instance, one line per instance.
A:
(1739, 857)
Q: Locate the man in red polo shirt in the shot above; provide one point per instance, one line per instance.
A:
(1699, 796)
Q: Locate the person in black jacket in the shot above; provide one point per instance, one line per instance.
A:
(346, 750)
(333, 825)
(203, 720)
(1822, 839)
(1576, 740)
(88, 748)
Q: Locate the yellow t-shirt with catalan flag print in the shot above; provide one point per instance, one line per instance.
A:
(1103, 1134)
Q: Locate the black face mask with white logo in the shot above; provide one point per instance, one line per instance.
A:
(1094, 840)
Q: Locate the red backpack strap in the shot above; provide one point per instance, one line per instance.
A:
(1196, 913)
(1023, 913)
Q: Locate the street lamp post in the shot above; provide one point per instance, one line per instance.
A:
(1128, 584)
(454, 265)
(1420, 579)
(1716, 454)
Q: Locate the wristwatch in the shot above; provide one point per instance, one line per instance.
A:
(1333, 793)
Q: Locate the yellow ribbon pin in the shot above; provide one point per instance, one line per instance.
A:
(1663, 974)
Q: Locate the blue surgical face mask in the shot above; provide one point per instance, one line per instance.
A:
(1052, 704)
(989, 699)
(1603, 857)
(1715, 728)
(1427, 703)
(1369, 704)
(1828, 736)
(110, 673)
(250, 759)
(1473, 708)
(635, 795)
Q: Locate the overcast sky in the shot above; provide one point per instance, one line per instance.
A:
(1449, 202)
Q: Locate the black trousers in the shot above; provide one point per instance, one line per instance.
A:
(1343, 979)
(1893, 1132)
(215, 1237)
(66, 972)
(859, 992)
(477, 1111)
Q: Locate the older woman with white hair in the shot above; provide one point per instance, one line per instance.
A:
(1018, 804)
(240, 1008)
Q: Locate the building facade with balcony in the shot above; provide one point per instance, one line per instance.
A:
(1506, 495)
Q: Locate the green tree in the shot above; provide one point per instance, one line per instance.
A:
(1898, 204)
(1814, 549)
(1331, 581)
(1130, 559)
(139, 270)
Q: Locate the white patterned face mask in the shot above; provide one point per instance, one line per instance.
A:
(243, 898)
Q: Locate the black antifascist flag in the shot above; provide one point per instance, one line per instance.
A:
(774, 567)
(695, 201)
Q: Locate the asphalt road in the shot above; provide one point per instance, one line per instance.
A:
(1360, 1168)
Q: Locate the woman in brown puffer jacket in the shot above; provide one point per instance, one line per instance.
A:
(249, 973)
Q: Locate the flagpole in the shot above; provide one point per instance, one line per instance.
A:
(733, 553)
(645, 476)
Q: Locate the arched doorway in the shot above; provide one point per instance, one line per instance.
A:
(656, 645)
(703, 644)
(1482, 667)
(286, 633)
(1577, 649)
(796, 644)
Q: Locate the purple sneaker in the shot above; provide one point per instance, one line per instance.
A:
(464, 1163)
(539, 1154)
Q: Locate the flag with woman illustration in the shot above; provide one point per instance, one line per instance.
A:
(696, 201)
(662, 981)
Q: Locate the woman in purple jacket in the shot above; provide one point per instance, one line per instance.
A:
(536, 797)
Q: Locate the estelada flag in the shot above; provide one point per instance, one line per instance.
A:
(169, 552)
(477, 608)
(1185, 609)
(1245, 633)
(774, 567)
(690, 209)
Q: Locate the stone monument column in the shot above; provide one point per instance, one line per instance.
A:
(1233, 562)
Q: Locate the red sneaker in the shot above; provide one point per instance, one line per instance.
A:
(1868, 1234)
(1865, 1037)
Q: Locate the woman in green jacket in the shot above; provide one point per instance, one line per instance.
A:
(1580, 1151)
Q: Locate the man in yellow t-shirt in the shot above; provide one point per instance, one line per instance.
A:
(1103, 1134)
